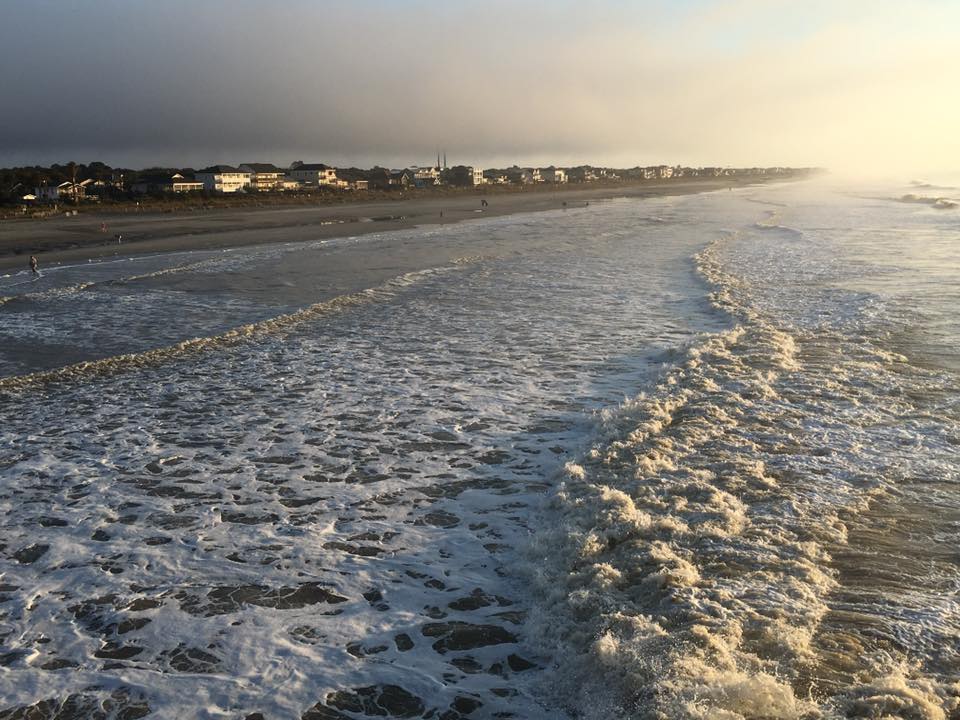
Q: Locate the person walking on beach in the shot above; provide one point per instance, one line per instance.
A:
(33, 266)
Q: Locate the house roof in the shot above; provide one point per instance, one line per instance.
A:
(219, 169)
(352, 174)
(261, 167)
(165, 179)
(312, 167)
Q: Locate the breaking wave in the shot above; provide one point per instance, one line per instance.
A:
(686, 568)
(64, 291)
(280, 323)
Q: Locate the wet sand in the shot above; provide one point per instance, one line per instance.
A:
(81, 237)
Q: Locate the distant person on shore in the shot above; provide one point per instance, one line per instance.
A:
(34, 263)
(483, 202)
(119, 238)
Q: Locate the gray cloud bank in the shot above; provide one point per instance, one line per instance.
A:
(185, 83)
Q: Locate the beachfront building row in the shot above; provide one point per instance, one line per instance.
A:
(266, 177)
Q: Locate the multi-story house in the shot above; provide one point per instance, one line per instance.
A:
(313, 174)
(223, 178)
(166, 183)
(424, 176)
(264, 176)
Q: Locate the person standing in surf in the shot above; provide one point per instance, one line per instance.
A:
(33, 266)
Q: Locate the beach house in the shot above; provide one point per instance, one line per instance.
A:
(264, 176)
(519, 175)
(581, 174)
(495, 177)
(463, 176)
(426, 176)
(402, 178)
(223, 178)
(166, 183)
(553, 175)
(313, 174)
(352, 179)
(52, 193)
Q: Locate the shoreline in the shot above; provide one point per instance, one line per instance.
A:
(81, 237)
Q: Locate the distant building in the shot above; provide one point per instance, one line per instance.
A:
(519, 175)
(314, 174)
(52, 193)
(378, 178)
(97, 187)
(352, 179)
(223, 178)
(426, 176)
(581, 175)
(403, 178)
(463, 176)
(495, 177)
(166, 183)
(553, 175)
(264, 176)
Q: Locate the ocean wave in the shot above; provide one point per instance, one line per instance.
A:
(686, 567)
(67, 290)
(940, 203)
(234, 336)
(772, 223)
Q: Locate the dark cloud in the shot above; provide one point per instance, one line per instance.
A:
(188, 83)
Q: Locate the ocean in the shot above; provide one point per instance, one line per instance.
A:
(683, 457)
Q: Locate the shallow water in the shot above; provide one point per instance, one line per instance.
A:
(684, 457)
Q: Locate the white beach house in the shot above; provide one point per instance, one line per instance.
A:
(426, 175)
(264, 176)
(223, 178)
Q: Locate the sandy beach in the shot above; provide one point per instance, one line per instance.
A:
(82, 236)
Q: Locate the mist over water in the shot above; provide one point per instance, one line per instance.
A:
(683, 457)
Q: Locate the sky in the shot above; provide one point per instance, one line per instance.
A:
(864, 87)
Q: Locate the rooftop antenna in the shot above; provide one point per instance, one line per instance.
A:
(444, 159)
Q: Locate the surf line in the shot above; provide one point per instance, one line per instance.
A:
(80, 287)
(252, 331)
